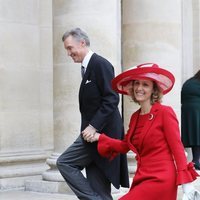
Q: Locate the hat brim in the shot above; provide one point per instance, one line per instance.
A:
(163, 78)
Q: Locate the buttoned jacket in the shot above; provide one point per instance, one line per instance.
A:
(98, 105)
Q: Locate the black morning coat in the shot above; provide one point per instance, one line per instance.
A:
(98, 105)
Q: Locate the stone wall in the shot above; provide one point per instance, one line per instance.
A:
(26, 85)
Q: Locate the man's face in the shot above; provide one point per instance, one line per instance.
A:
(75, 49)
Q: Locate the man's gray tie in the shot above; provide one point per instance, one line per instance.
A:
(82, 71)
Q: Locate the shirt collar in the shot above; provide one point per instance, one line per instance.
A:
(87, 59)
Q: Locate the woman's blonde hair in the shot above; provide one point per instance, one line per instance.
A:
(155, 97)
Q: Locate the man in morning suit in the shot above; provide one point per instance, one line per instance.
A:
(98, 105)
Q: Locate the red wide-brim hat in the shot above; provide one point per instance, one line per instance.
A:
(147, 71)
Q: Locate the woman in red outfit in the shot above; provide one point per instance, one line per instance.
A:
(153, 136)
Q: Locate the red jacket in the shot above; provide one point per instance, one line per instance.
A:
(161, 160)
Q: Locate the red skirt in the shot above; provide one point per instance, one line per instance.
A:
(153, 181)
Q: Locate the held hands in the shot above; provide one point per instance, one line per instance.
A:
(90, 134)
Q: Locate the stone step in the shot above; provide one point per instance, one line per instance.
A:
(30, 195)
(27, 195)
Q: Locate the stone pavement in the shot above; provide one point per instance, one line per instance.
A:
(23, 195)
(26, 195)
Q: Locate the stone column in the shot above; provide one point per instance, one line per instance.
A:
(188, 30)
(191, 38)
(26, 109)
(104, 33)
(191, 43)
(101, 20)
(196, 35)
(151, 34)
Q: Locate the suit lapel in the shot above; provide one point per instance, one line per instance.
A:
(131, 130)
(85, 78)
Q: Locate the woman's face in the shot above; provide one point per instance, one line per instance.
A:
(143, 90)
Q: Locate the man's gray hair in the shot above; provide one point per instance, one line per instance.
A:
(78, 34)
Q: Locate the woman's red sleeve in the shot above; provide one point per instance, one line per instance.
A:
(110, 147)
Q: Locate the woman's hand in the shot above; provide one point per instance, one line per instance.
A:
(96, 137)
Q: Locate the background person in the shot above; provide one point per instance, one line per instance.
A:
(190, 117)
(153, 135)
(98, 105)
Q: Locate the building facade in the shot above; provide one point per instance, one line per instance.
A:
(39, 116)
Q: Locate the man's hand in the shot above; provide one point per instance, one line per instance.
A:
(88, 133)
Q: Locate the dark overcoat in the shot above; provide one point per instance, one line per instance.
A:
(190, 113)
(99, 107)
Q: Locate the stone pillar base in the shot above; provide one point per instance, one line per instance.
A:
(47, 186)
(15, 169)
(15, 183)
(58, 187)
(51, 180)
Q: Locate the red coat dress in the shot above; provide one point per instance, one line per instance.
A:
(161, 160)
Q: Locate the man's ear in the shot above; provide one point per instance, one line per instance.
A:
(83, 43)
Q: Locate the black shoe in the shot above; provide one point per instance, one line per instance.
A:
(197, 166)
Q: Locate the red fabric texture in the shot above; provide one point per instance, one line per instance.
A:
(161, 161)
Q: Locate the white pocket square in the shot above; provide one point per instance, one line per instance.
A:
(88, 81)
